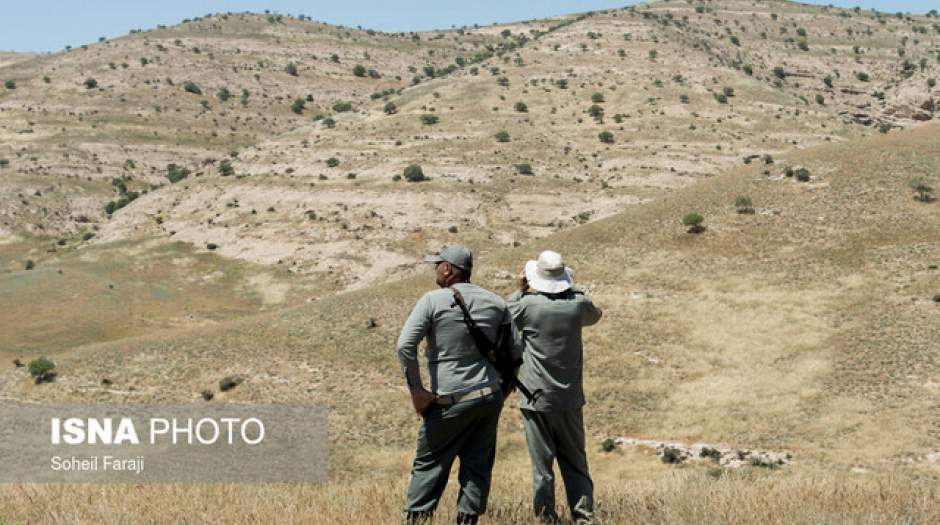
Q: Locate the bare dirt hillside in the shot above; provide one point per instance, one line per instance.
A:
(504, 120)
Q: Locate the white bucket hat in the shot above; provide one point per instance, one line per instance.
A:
(548, 274)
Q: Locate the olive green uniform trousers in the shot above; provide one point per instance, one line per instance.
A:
(467, 431)
(559, 435)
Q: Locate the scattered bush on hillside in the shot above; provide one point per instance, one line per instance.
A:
(597, 112)
(694, 222)
(780, 73)
(226, 169)
(291, 69)
(42, 370)
(413, 173)
(429, 119)
(521, 107)
(828, 81)
(359, 70)
(821, 100)
(606, 137)
(862, 76)
(743, 205)
(922, 188)
(329, 123)
(90, 83)
(597, 98)
(10, 84)
(524, 168)
(502, 136)
(4, 163)
(176, 173)
(223, 94)
(342, 107)
(298, 106)
(390, 108)
(332, 162)
(30, 264)
(191, 87)
(801, 174)
(229, 382)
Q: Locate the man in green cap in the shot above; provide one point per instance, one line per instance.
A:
(461, 410)
(550, 314)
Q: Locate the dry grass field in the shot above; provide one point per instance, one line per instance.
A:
(810, 326)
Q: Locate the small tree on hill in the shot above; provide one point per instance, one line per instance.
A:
(298, 106)
(413, 173)
(694, 222)
(90, 83)
(41, 369)
(390, 108)
(597, 98)
(502, 136)
(10, 84)
(224, 94)
(291, 69)
(606, 137)
(191, 87)
(429, 119)
(226, 168)
(521, 107)
(359, 70)
(923, 190)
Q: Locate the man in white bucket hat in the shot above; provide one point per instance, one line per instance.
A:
(550, 314)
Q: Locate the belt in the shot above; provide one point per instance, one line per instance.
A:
(475, 394)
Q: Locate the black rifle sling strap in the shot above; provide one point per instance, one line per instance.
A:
(503, 363)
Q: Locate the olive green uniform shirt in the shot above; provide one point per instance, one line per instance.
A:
(455, 365)
(553, 358)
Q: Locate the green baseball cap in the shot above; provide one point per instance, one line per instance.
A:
(456, 254)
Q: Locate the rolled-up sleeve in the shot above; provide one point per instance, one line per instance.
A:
(415, 329)
(590, 313)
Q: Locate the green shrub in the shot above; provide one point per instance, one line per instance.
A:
(229, 382)
(597, 112)
(332, 162)
(429, 119)
(821, 100)
(524, 168)
(342, 107)
(41, 369)
(30, 264)
(521, 107)
(298, 106)
(502, 136)
(329, 123)
(10, 84)
(359, 70)
(291, 69)
(608, 445)
(176, 173)
(226, 168)
(413, 173)
(694, 222)
(606, 137)
(862, 76)
(390, 108)
(780, 73)
(735, 40)
(923, 189)
(801, 174)
(597, 98)
(721, 98)
(931, 83)
(191, 87)
(223, 94)
(728, 91)
(828, 81)
(90, 83)
(744, 204)
(4, 163)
